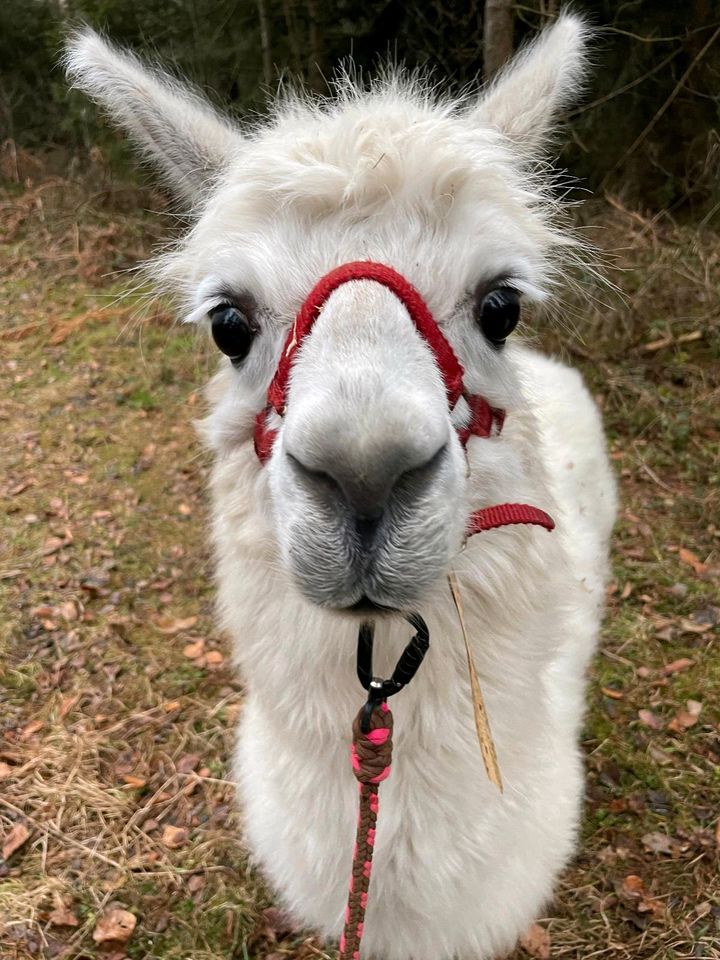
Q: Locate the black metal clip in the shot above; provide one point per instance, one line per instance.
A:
(405, 669)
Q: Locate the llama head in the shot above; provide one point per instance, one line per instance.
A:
(368, 483)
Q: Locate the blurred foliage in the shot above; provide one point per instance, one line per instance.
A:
(646, 130)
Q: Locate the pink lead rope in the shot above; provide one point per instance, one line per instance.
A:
(372, 730)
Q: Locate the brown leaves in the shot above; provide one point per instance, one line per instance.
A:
(195, 651)
(62, 915)
(677, 666)
(31, 728)
(632, 890)
(14, 839)
(174, 837)
(54, 544)
(657, 843)
(278, 924)
(133, 781)
(536, 942)
(171, 627)
(196, 883)
(115, 925)
(214, 659)
(692, 560)
(650, 719)
(684, 719)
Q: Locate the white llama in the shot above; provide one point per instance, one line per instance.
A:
(364, 499)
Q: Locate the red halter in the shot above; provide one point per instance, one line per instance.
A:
(483, 417)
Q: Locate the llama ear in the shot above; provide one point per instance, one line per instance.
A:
(175, 126)
(538, 82)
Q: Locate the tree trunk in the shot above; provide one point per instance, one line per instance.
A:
(293, 40)
(497, 35)
(265, 42)
(317, 79)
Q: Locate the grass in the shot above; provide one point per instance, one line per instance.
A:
(116, 724)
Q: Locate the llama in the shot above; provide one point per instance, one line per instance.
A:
(361, 505)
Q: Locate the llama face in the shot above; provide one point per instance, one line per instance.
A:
(368, 479)
(369, 487)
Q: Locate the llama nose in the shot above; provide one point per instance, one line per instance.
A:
(367, 484)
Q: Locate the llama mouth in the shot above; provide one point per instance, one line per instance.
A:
(366, 605)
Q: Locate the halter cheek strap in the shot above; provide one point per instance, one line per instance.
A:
(484, 419)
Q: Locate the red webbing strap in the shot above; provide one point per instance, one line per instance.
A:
(482, 419)
(450, 367)
(505, 514)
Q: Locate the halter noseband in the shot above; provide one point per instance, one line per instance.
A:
(483, 417)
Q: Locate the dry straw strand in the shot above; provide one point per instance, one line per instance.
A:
(482, 723)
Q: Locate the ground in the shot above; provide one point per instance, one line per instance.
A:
(117, 704)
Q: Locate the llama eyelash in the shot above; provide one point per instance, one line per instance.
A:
(199, 313)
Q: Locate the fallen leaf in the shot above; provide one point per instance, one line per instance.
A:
(68, 610)
(279, 923)
(31, 729)
(709, 616)
(62, 916)
(684, 719)
(53, 544)
(650, 719)
(232, 712)
(17, 836)
(175, 626)
(196, 883)
(187, 763)
(659, 755)
(677, 666)
(185, 509)
(194, 650)
(657, 843)
(690, 626)
(174, 837)
(132, 781)
(170, 705)
(214, 659)
(633, 887)
(114, 924)
(613, 694)
(20, 487)
(536, 942)
(67, 704)
(692, 560)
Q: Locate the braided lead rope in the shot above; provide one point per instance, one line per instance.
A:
(371, 754)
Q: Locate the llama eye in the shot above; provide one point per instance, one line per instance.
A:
(498, 314)
(232, 331)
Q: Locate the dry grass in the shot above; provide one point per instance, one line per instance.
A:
(111, 733)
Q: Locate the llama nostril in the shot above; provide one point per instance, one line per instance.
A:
(320, 477)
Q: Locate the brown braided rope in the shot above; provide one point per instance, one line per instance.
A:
(371, 759)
